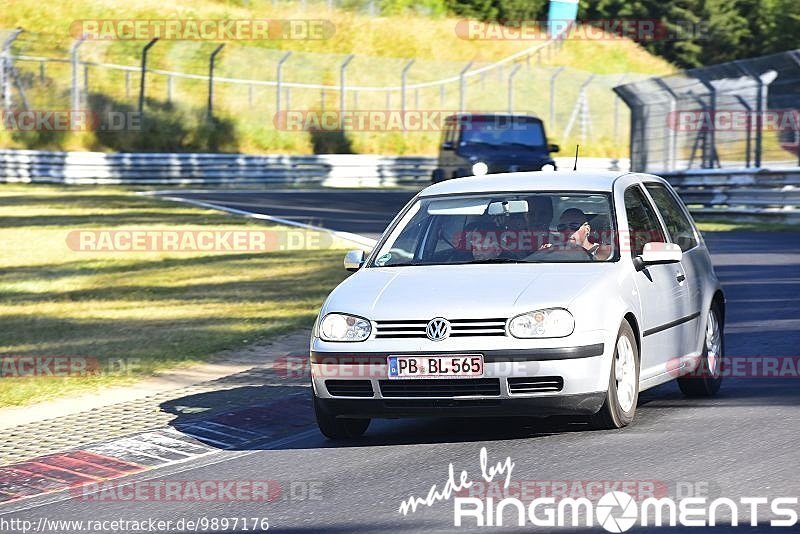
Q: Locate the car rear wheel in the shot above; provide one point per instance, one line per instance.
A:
(338, 427)
(623, 384)
(706, 380)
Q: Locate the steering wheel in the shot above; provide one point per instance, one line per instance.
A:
(569, 248)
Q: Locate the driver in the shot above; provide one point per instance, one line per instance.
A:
(574, 224)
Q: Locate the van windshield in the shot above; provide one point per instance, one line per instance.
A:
(531, 227)
(502, 131)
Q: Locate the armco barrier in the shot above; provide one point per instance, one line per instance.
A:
(727, 194)
(212, 169)
(343, 170)
(741, 195)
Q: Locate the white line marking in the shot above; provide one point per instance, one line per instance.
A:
(347, 236)
(228, 456)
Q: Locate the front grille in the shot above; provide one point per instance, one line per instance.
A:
(440, 403)
(458, 328)
(535, 384)
(444, 387)
(349, 388)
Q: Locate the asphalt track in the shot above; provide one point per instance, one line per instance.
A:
(742, 443)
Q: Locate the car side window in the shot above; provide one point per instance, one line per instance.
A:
(678, 225)
(643, 225)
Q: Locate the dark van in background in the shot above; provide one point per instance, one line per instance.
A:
(476, 144)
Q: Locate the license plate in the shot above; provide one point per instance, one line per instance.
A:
(449, 366)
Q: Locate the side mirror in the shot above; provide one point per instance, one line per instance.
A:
(658, 253)
(447, 145)
(553, 148)
(354, 259)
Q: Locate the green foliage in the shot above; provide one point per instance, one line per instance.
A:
(500, 10)
(698, 32)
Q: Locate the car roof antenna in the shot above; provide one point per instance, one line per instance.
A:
(575, 167)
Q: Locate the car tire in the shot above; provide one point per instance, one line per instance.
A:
(623, 383)
(333, 427)
(437, 176)
(706, 380)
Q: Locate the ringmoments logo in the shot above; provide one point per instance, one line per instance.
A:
(615, 511)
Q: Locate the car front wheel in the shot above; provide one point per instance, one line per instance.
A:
(706, 380)
(623, 384)
(338, 427)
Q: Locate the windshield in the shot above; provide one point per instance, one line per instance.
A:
(503, 131)
(531, 227)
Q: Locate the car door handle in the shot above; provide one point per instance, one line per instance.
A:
(680, 277)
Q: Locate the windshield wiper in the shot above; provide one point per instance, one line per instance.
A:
(398, 264)
(492, 260)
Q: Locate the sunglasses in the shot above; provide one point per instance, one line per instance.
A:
(571, 226)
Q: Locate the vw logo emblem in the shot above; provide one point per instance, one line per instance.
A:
(438, 329)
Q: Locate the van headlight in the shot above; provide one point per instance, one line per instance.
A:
(341, 327)
(553, 322)
(479, 168)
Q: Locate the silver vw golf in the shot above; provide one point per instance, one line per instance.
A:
(530, 294)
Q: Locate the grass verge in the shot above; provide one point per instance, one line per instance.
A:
(135, 313)
(728, 226)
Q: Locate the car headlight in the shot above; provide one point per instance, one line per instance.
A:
(548, 167)
(479, 168)
(341, 327)
(553, 322)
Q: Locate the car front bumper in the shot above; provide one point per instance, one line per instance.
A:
(583, 371)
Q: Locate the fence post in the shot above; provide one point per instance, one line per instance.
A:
(343, 87)
(462, 86)
(761, 98)
(75, 90)
(747, 141)
(553, 97)
(5, 67)
(147, 47)
(127, 84)
(581, 107)
(511, 87)
(709, 139)
(403, 82)
(41, 71)
(672, 141)
(279, 81)
(616, 108)
(796, 57)
(211, 62)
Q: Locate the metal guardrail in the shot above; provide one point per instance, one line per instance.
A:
(212, 169)
(727, 194)
(771, 195)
